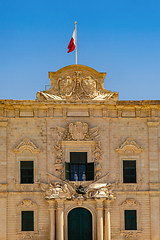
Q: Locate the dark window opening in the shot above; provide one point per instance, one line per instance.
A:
(130, 219)
(129, 171)
(26, 172)
(78, 169)
(27, 221)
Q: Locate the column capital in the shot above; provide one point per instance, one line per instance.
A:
(107, 205)
(99, 203)
(52, 204)
(60, 203)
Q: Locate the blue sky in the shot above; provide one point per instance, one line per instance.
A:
(120, 37)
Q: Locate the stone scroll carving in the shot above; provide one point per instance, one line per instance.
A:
(71, 190)
(132, 235)
(130, 202)
(26, 145)
(77, 132)
(74, 83)
(129, 147)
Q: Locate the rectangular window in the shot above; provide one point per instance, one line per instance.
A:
(130, 219)
(129, 171)
(78, 169)
(26, 172)
(27, 221)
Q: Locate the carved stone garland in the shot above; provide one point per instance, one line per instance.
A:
(77, 132)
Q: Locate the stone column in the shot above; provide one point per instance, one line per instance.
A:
(154, 178)
(60, 220)
(52, 219)
(99, 219)
(107, 224)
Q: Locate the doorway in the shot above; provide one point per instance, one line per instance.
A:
(79, 224)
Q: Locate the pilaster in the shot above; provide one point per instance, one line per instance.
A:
(99, 219)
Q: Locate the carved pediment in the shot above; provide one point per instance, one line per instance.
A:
(26, 146)
(77, 82)
(129, 147)
(27, 203)
(130, 202)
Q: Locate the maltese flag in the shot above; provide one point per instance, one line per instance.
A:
(72, 43)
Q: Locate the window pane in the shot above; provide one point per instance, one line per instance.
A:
(74, 172)
(129, 171)
(67, 168)
(82, 157)
(130, 219)
(27, 221)
(78, 157)
(26, 172)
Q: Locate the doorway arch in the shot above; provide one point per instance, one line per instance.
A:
(79, 224)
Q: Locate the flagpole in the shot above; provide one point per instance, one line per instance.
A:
(76, 43)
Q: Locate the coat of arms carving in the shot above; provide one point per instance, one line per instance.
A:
(78, 130)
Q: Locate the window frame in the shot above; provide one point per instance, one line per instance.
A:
(138, 171)
(23, 217)
(130, 160)
(27, 205)
(130, 204)
(130, 218)
(88, 165)
(33, 169)
(21, 158)
(78, 146)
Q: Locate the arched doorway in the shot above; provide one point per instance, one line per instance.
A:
(79, 224)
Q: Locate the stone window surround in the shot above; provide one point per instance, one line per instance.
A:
(26, 158)
(138, 170)
(130, 204)
(129, 150)
(26, 151)
(78, 146)
(27, 205)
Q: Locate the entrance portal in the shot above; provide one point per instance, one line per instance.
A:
(79, 224)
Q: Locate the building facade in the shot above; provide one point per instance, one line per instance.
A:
(77, 163)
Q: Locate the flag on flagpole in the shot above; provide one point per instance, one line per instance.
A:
(72, 43)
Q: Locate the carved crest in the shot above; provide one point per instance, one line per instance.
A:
(78, 130)
(77, 82)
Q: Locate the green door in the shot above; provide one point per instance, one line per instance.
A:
(79, 224)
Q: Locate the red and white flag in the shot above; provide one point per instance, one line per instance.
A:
(72, 43)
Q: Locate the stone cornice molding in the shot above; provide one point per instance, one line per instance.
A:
(3, 123)
(129, 147)
(152, 124)
(25, 145)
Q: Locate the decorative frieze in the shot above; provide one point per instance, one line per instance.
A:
(74, 190)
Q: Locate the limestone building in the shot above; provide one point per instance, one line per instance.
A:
(77, 163)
